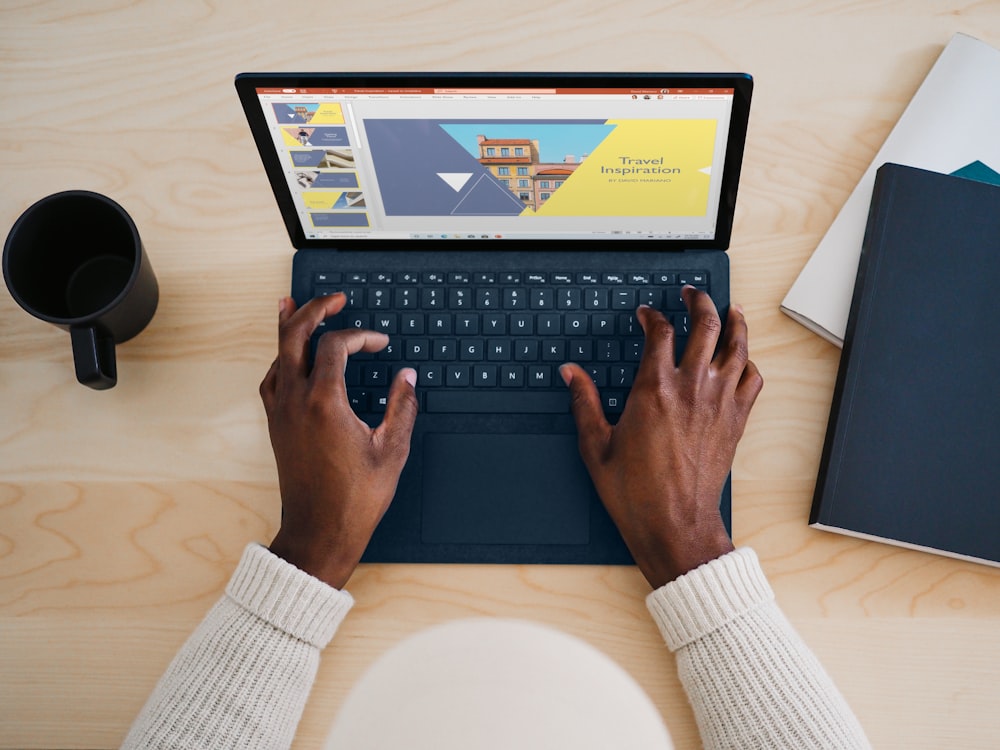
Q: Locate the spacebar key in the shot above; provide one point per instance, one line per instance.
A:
(497, 402)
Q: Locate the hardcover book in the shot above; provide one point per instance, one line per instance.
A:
(913, 442)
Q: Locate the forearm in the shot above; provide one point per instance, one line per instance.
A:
(243, 677)
(750, 678)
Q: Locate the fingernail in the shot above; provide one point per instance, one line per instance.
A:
(739, 309)
(565, 374)
(410, 376)
(282, 304)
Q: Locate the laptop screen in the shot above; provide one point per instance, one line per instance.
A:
(483, 160)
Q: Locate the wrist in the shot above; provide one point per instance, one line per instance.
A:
(328, 564)
(669, 557)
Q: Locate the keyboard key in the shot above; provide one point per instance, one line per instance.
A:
(526, 350)
(493, 402)
(581, 350)
(487, 298)
(569, 299)
(549, 324)
(609, 350)
(515, 299)
(484, 376)
(599, 374)
(411, 324)
(541, 299)
(498, 350)
(672, 299)
(430, 376)
(577, 324)
(511, 376)
(374, 375)
(459, 298)
(554, 351)
(539, 376)
(456, 375)
(470, 350)
(444, 350)
(386, 322)
(603, 324)
(596, 298)
(418, 350)
(613, 402)
(522, 324)
(467, 323)
(439, 324)
(494, 323)
(694, 278)
(621, 376)
(623, 299)
(405, 298)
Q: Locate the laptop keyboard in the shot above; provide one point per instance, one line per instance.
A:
(490, 343)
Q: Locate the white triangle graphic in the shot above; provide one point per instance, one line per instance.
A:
(706, 170)
(456, 180)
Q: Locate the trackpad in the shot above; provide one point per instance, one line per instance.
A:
(504, 489)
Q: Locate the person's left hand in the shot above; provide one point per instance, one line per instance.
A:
(336, 474)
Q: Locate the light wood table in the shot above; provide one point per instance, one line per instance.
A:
(123, 513)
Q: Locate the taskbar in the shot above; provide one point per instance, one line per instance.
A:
(582, 236)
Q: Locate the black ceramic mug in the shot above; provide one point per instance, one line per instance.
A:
(74, 259)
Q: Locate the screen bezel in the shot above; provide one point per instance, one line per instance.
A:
(741, 83)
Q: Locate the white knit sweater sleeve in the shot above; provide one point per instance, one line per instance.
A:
(751, 680)
(243, 677)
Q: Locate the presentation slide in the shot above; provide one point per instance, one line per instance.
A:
(619, 167)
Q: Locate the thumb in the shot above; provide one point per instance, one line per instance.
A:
(400, 415)
(585, 403)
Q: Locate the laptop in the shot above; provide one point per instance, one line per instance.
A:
(496, 225)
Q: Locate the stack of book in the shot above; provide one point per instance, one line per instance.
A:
(952, 125)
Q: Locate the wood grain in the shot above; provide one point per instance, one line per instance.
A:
(123, 513)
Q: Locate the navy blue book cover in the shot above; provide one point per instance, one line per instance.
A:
(912, 450)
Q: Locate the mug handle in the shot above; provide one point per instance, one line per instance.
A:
(94, 357)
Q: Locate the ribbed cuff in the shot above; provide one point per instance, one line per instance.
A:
(708, 597)
(286, 597)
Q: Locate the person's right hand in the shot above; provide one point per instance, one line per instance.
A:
(660, 471)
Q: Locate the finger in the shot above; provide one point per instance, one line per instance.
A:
(705, 327)
(735, 351)
(658, 349)
(332, 353)
(750, 385)
(268, 386)
(585, 402)
(400, 415)
(297, 326)
(286, 308)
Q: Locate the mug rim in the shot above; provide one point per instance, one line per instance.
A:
(96, 314)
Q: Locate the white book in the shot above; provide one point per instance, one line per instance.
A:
(952, 121)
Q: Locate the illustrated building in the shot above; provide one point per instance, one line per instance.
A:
(517, 164)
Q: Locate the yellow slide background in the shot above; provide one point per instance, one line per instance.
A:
(687, 145)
